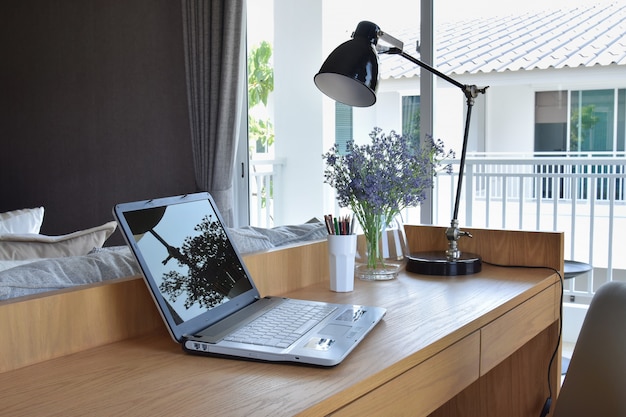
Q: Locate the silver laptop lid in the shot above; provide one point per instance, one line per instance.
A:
(194, 273)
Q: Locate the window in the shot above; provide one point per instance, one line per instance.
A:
(596, 121)
(343, 125)
(411, 117)
(550, 121)
(591, 120)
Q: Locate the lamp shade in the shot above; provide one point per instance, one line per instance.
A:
(350, 73)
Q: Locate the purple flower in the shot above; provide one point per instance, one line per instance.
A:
(384, 176)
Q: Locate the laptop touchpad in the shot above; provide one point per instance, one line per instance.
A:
(334, 330)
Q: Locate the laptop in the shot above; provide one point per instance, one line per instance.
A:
(208, 299)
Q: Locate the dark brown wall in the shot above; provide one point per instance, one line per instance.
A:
(93, 107)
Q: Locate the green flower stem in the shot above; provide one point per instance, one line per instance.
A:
(373, 225)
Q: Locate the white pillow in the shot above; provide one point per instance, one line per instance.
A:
(31, 246)
(21, 221)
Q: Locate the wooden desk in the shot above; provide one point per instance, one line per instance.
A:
(473, 346)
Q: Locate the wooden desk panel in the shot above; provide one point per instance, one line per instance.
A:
(46, 326)
(425, 387)
(501, 338)
(503, 247)
(279, 271)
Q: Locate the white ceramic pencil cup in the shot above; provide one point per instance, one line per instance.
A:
(341, 255)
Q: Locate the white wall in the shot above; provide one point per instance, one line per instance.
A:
(449, 116)
(510, 120)
(298, 120)
(384, 114)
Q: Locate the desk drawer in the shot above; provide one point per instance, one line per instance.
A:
(423, 388)
(515, 328)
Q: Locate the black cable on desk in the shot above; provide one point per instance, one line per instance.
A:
(546, 406)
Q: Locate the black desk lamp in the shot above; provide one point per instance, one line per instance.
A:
(350, 75)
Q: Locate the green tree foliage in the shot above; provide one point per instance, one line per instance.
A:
(260, 85)
(582, 122)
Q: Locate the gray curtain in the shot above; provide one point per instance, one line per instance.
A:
(214, 57)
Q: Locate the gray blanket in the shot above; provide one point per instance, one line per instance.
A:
(32, 277)
(66, 272)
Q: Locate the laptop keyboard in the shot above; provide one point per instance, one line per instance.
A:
(282, 325)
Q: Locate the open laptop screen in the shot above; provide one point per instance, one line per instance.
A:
(188, 254)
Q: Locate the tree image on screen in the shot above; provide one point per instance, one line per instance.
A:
(212, 273)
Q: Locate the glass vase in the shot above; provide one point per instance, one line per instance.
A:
(381, 251)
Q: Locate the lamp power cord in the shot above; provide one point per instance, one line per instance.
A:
(548, 403)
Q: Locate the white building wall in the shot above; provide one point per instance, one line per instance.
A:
(449, 116)
(384, 114)
(503, 120)
(510, 121)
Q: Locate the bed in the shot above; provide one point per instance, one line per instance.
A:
(31, 263)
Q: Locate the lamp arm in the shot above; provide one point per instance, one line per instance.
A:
(470, 91)
(431, 69)
(453, 233)
(470, 105)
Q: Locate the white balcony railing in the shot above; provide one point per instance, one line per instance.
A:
(263, 173)
(581, 195)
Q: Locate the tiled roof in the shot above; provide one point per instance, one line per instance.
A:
(582, 36)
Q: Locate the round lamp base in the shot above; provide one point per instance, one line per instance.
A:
(436, 263)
